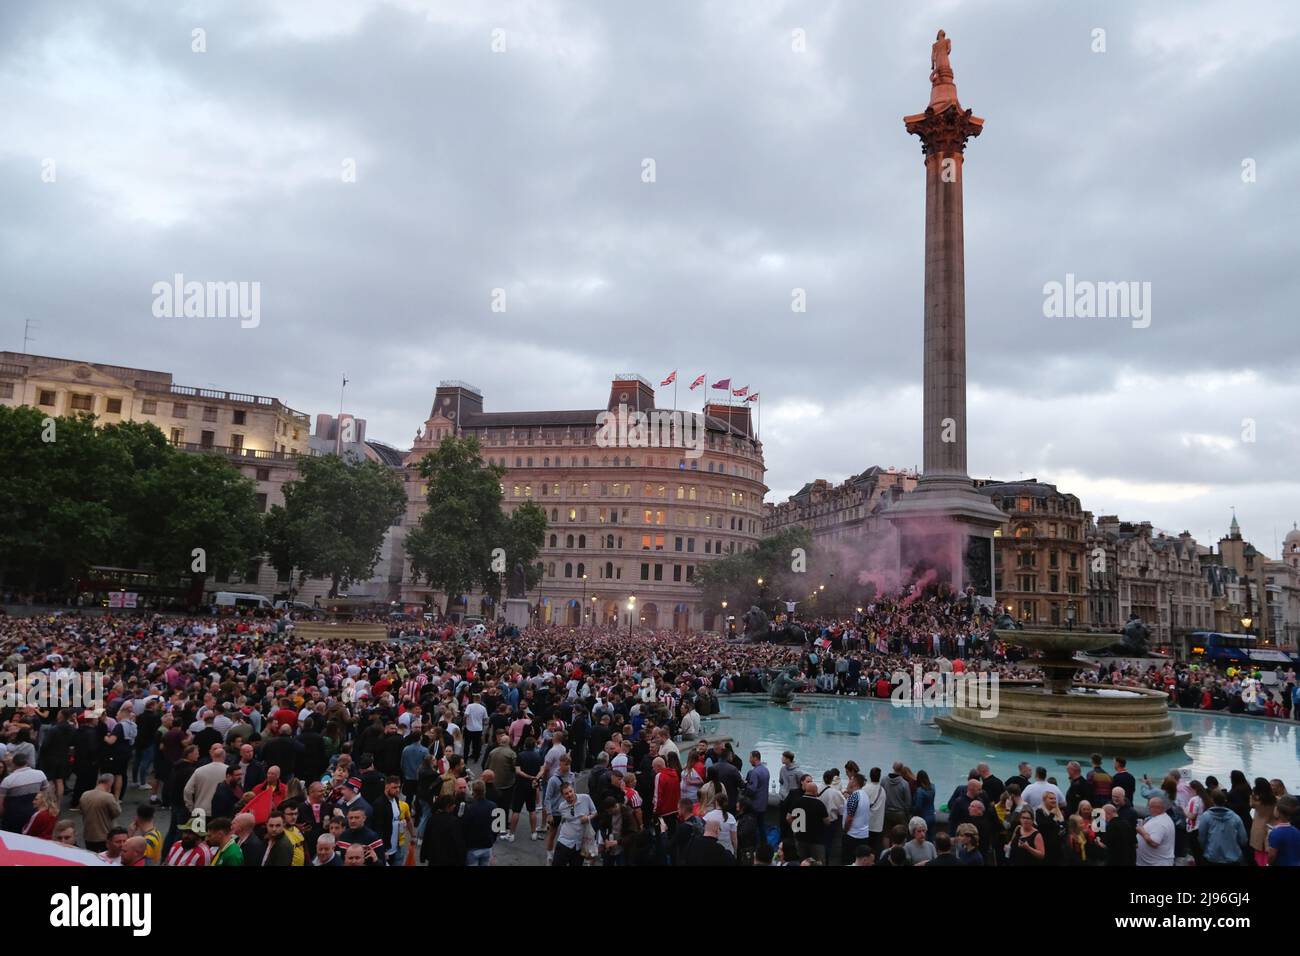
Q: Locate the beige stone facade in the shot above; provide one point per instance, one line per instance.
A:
(1161, 578)
(623, 522)
(1039, 555)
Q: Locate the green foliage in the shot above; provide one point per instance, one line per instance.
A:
(735, 577)
(334, 519)
(118, 495)
(452, 546)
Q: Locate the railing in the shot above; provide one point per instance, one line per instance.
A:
(239, 397)
(17, 371)
(251, 454)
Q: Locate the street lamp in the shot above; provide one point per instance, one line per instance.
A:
(1069, 616)
(1245, 624)
(631, 607)
(583, 605)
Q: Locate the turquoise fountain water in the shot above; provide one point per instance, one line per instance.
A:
(825, 731)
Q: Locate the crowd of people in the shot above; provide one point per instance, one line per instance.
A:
(229, 741)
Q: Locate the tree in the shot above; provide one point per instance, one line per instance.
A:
(73, 496)
(57, 494)
(207, 504)
(334, 519)
(735, 577)
(452, 546)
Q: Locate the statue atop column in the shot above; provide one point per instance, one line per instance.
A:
(943, 91)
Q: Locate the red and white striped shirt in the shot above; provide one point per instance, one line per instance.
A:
(199, 855)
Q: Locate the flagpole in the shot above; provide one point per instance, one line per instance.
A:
(338, 429)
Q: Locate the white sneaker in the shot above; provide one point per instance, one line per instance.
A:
(550, 858)
(510, 838)
(535, 835)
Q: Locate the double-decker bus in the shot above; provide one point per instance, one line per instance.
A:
(129, 588)
(1216, 648)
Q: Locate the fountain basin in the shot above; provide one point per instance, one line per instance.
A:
(1089, 717)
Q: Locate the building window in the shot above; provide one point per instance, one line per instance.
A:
(645, 572)
(209, 413)
(677, 572)
(113, 406)
(240, 416)
(207, 439)
(261, 501)
(82, 403)
(659, 572)
(180, 410)
(149, 407)
(178, 436)
(568, 570)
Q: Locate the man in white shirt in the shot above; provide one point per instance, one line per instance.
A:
(476, 716)
(690, 725)
(1155, 845)
(1033, 794)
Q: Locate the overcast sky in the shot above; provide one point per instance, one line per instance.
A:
(775, 168)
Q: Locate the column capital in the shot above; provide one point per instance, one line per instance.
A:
(944, 132)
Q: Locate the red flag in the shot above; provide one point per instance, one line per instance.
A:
(260, 806)
(724, 384)
(672, 377)
(752, 398)
(698, 382)
(740, 392)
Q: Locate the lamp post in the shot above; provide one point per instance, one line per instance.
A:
(761, 592)
(726, 629)
(593, 610)
(583, 615)
(631, 610)
(1069, 616)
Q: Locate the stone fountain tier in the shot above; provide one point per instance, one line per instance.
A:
(1058, 663)
(1134, 722)
(1059, 715)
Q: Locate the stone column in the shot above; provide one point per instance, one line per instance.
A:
(943, 142)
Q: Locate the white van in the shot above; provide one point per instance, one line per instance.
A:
(243, 601)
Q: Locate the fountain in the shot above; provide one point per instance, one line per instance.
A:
(1057, 714)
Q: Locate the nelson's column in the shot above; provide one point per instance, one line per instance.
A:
(945, 527)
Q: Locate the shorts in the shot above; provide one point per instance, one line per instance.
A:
(555, 821)
(523, 796)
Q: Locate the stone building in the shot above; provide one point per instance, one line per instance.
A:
(850, 510)
(631, 520)
(1039, 566)
(1134, 569)
(259, 435)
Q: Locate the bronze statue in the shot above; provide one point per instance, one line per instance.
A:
(1136, 635)
(518, 583)
(943, 90)
(940, 68)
